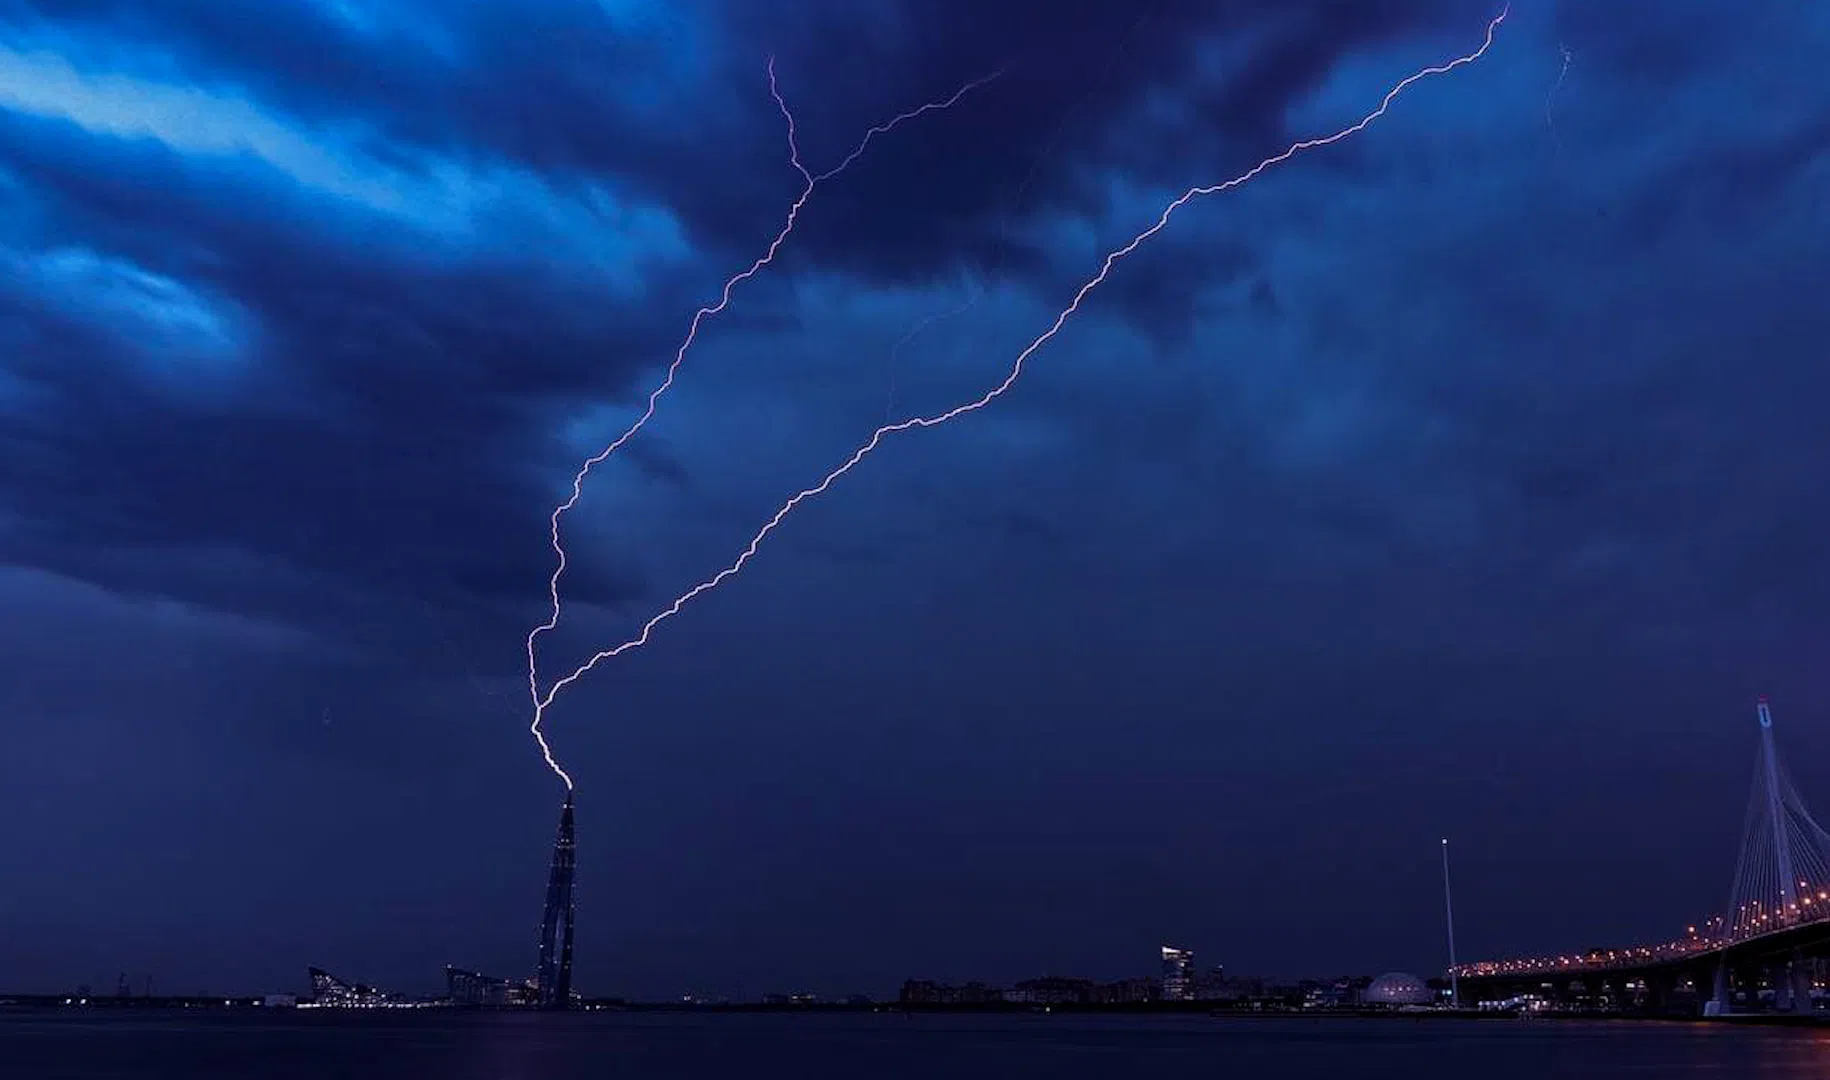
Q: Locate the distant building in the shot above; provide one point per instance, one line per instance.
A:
(920, 992)
(927, 992)
(330, 991)
(471, 988)
(1395, 988)
(1129, 991)
(1211, 984)
(1232, 989)
(1332, 994)
(972, 993)
(1052, 990)
(1178, 974)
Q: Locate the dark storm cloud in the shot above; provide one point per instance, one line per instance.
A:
(413, 417)
(377, 393)
(374, 459)
(1071, 99)
(667, 101)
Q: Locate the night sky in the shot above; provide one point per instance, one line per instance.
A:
(1464, 479)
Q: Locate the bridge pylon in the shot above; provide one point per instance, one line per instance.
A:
(1782, 876)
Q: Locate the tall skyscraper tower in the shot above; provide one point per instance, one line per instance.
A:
(554, 975)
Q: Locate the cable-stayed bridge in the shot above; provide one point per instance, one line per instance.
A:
(1760, 953)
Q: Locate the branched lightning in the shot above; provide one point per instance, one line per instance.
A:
(810, 181)
(1551, 98)
(542, 702)
(889, 403)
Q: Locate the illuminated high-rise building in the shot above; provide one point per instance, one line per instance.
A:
(328, 990)
(1178, 974)
(554, 974)
(464, 987)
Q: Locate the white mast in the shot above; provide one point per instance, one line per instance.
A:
(1448, 908)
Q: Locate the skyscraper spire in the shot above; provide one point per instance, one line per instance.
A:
(554, 974)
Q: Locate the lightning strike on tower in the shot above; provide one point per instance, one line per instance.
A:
(810, 180)
(543, 702)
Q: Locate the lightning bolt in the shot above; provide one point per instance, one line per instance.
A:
(1550, 98)
(810, 180)
(889, 404)
(543, 702)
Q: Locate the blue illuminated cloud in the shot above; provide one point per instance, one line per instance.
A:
(467, 205)
(149, 312)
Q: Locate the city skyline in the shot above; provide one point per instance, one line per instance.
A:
(1780, 874)
(1458, 479)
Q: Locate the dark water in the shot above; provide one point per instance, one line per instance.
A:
(51, 1046)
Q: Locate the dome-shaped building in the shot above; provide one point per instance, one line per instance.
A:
(1397, 988)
